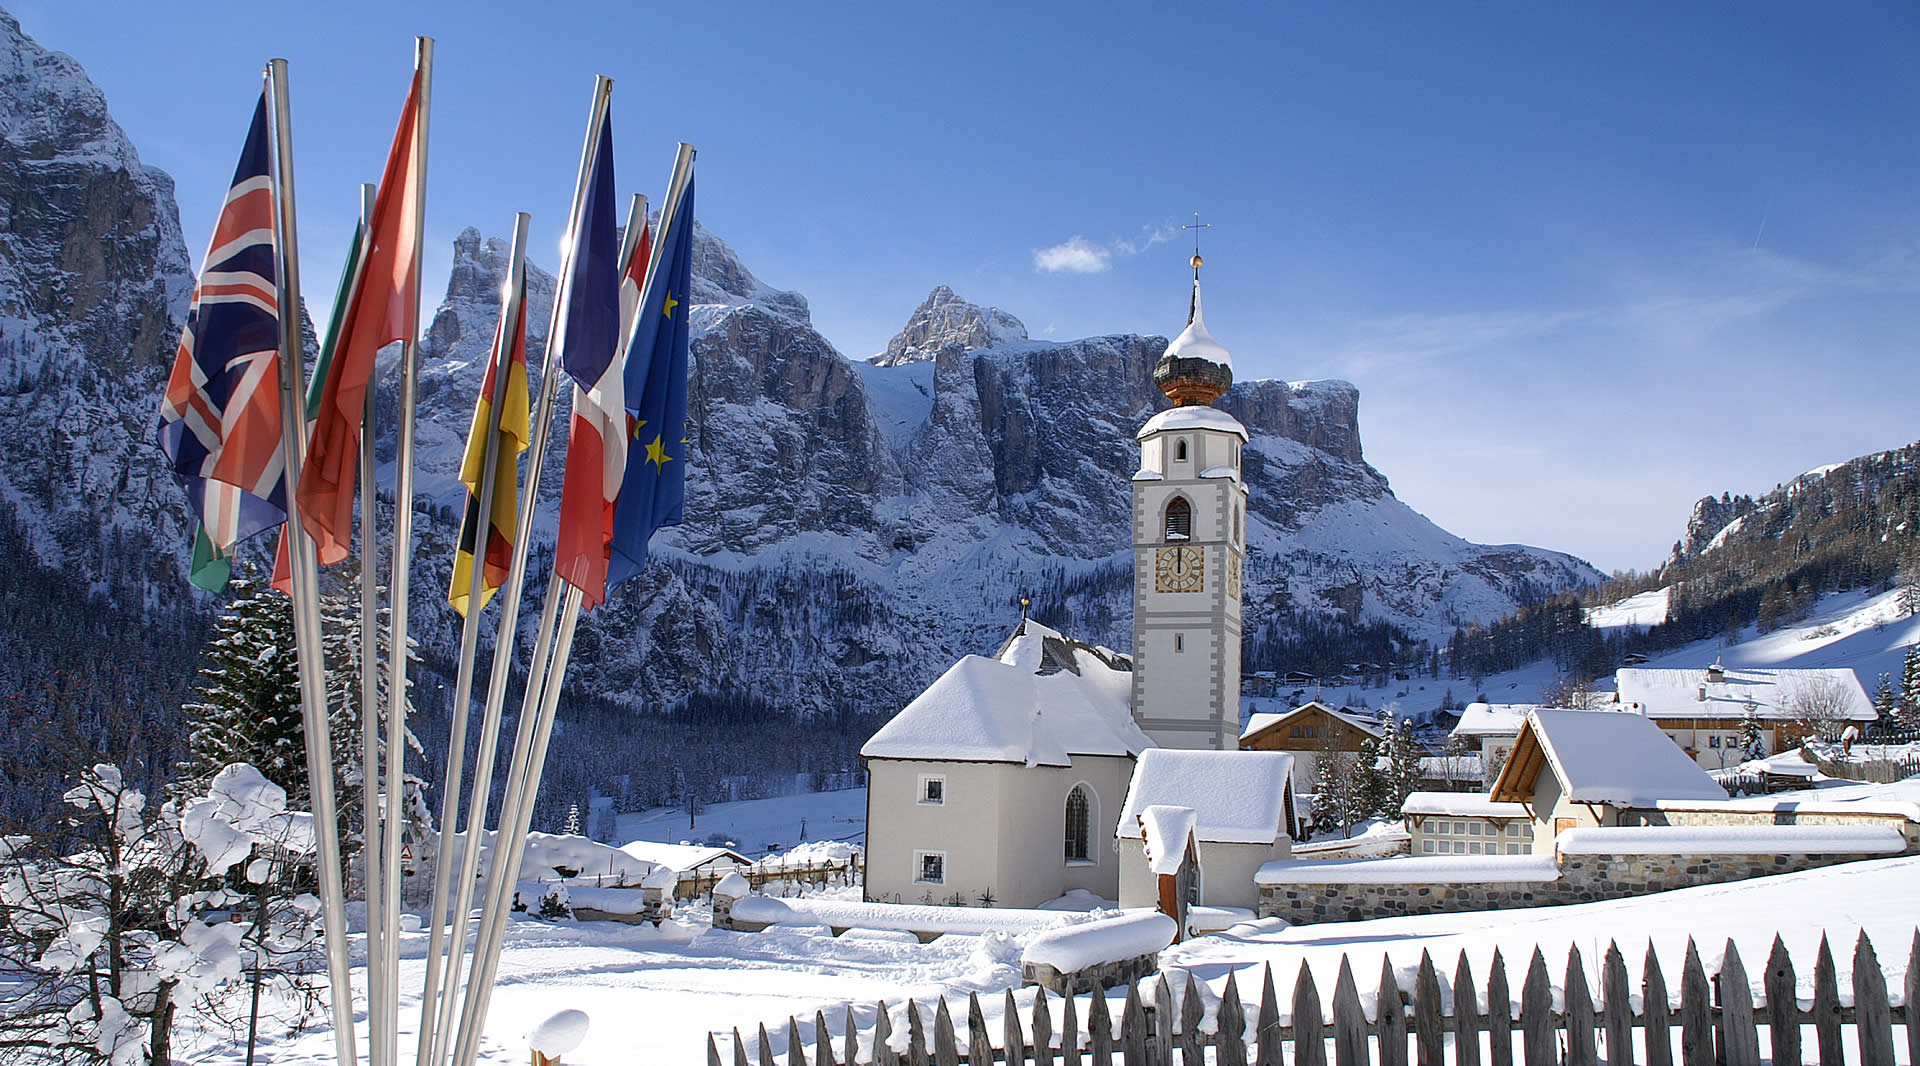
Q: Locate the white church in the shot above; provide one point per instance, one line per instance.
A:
(1015, 779)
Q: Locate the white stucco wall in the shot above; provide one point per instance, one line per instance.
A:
(1002, 828)
(1226, 873)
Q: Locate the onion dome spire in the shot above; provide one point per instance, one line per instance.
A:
(1196, 369)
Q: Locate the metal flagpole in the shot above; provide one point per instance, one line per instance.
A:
(306, 577)
(481, 797)
(402, 560)
(512, 309)
(542, 702)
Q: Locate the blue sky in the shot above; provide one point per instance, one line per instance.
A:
(1584, 265)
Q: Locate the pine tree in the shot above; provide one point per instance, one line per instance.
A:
(249, 696)
(1402, 776)
(1369, 786)
(572, 828)
(1752, 745)
(341, 613)
(1910, 682)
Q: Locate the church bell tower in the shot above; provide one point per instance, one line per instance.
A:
(1189, 540)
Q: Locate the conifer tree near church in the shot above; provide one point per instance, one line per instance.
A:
(249, 696)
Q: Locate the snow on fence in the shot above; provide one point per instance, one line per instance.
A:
(1717, 1020)
(1881, 770)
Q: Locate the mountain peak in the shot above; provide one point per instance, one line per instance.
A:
(943, 318)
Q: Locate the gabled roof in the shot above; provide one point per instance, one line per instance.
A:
(684, 857)
(1166, 832)
(1042, 700)
(1676, 693)
(1492, 719)
(1237, 797)
(1260, 723)
(1610, 757)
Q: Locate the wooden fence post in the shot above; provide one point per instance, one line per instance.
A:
(979, 1044)
(1499, 1013)
(1309, 1029)
(1466, 1015)
(1349, 1021)
(883, 1054)
(1536, 1015)
(1912, 1000)
(1580, 1019)
(1783, 1012)
(1042, 1029)
(1163, 1022)
(1192, 1044)
(1099, 1029)
(1872, 1020)
(766, 1048)
(945, 1052)
(1230, 1033)
(1133, 1029)
(823, 1041)
(1739, 1040)
(1657, 1011)
(1826, 1005)
(1069, 1034)
(916, 1036)
(1696, 1012)
(1390, 1016)
(796, 1054)
(1266, 1030)
(852, 1050)
(1010, 1036)
(1429, 1047)
(739, 1049)
(1616, 1011)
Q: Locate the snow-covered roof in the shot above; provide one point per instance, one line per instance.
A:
(1732, 840)
(682, 857)
(1165, 830)
(1492, 719)
(1238, 797)
(1195, 342)
(1192, 416)
(1410, 870)
(1675, 693)
(1460, 804)
(1601, 757)
(1266, 720)
(1042, 700)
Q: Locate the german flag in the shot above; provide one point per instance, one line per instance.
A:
(509, 426)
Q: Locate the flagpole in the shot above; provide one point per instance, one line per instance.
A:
(401, 562)
(512, 310)
(369, 664)
(305, 576)
(541, 702)
(499, 888)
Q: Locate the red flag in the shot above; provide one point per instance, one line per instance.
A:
(383, 308)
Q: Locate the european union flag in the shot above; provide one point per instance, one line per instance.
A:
(654, 488)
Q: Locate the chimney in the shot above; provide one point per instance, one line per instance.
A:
(1702, 697)
(1716, 673)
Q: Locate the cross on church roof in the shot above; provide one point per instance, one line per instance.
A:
(1196, 227)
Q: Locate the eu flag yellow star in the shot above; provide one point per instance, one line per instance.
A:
(635, 432)
(657, 453)
(671, 303)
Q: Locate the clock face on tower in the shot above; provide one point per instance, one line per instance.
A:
(1180, 569)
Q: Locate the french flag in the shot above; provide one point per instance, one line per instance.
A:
(600, 293)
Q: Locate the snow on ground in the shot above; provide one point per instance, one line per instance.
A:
(1638, 611)
(755, 827)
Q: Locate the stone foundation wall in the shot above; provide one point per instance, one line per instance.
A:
(1091, 979)
(1583, 879)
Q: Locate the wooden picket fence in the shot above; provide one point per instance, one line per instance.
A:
(1718, 1022)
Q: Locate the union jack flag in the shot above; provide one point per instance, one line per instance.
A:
(220, 417)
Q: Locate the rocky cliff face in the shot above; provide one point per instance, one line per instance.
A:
(944, 319)
(94, 282)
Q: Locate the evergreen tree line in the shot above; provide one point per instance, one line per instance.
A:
(1350, 787)
(1856, 527)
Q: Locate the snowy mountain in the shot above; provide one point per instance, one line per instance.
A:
(852, 527)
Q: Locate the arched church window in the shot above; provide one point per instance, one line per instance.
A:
(1179, 519)
(1079, 817)
(1180, 450)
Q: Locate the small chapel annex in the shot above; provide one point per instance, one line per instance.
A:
(1003, 783)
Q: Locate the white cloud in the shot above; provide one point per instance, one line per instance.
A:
(1075, 255)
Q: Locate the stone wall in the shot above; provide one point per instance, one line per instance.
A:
(1583, 879)
(1091, 979)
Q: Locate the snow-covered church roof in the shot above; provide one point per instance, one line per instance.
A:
(1041, 700)
(1192, 416)
(1237, 797)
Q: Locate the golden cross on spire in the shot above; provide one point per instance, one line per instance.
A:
(1196, 227)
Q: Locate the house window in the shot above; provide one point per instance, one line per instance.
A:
(933, 788)
(1180, 450)
(1473, 828)
(1179, 518)
(1426, 846)
(1713, 741)
(1513, 849)
(1079, 817)
(1293, 731)
(1179, 642)
(930, 867)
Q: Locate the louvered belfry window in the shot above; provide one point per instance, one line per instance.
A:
(1179, 519)
(1077, 824)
